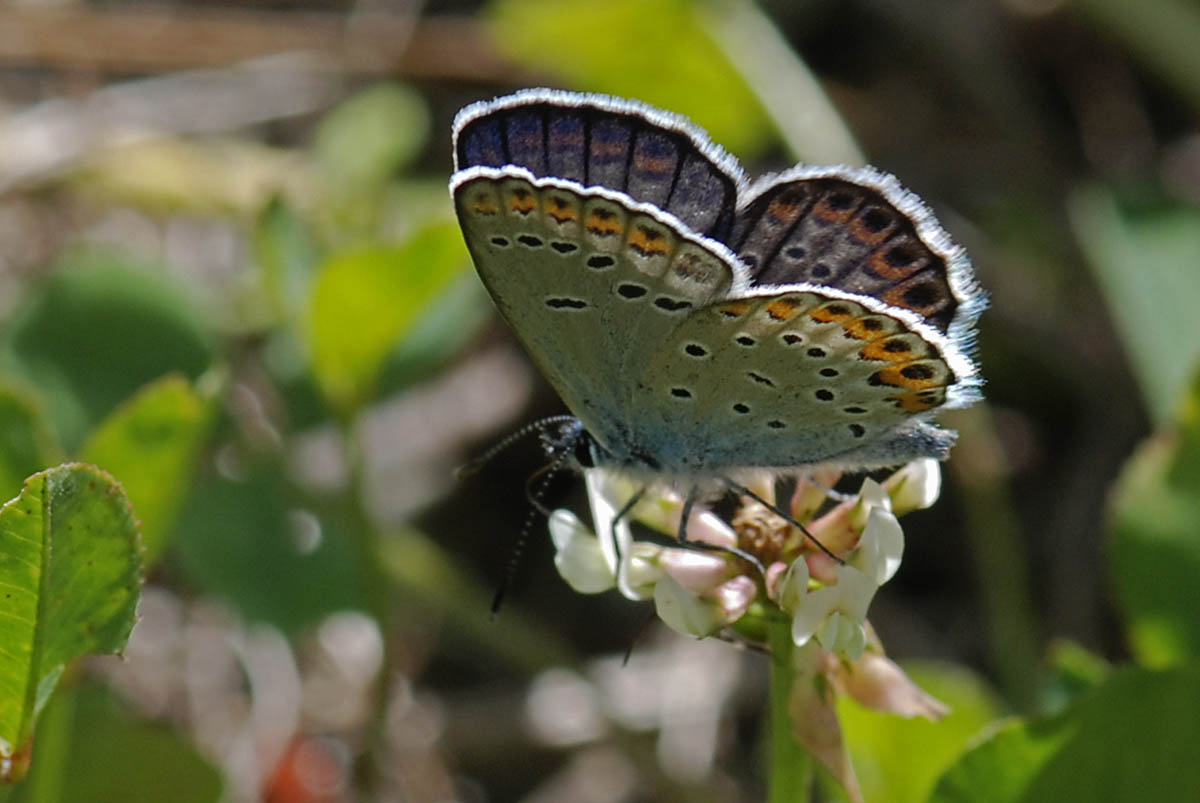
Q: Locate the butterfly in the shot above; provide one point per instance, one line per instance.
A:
(698, 325)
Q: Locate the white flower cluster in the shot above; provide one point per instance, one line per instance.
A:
(698, 589)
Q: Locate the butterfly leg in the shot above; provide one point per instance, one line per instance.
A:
(622, 513)
(688, 503)
(741, 489)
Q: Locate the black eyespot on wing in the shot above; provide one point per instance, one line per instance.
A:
(857, 430)
(745, 340)
(829, 372)
(500, 242)
(600, 262)
(681, 393)
(695, 350)
(875, 220)
(917, 371)
(631, 291)
(741, 409)
(565, 303)
(760, 379)
(824, 394)
(671, 304)
(776, 424)
(816, 352)
(899, 256)
(564, 248)
(920, 296)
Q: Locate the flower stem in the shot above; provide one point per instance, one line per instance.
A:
(790, 765)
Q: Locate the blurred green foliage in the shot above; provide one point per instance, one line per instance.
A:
(354, 286)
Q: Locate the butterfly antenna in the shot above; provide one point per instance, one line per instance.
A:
(534, 492)
(777, 510)
(473, 465)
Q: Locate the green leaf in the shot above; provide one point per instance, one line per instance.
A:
(1074, 670)
(70, 574)
(1154, 541)
(286, 256)
(152, 443)
(251, 542)
(92, 750)
(451, 322)
(899, 760)
(363, 302)
(659, 52)
(27, 443)
(367, 138)
(1145, 262)
(97, 332)
(1133, 738)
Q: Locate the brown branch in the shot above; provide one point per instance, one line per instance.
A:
(151, 40)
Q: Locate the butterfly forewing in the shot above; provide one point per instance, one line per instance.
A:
(651, 156)
(586, 279)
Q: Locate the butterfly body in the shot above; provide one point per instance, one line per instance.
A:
(695, 325)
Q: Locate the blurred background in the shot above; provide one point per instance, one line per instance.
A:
(240, 208)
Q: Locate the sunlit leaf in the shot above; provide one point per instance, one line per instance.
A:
(1154, 555)
(27, 443)
(92, 750)
(658, 52)
(1145, 262)
(70, 575)
(203, 176)
(97, 332)
(364, 301)
(1133, 738)
(899, 760)
(367, 138)
(151, 443)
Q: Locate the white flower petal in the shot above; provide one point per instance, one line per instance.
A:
(812, 613)
(794, 587)
(735, 596)
(578, 555)
(881, 546)
(603, 487)
(916, 486)
(873, 495)
(855, 590)
(853, 640)
(683, 611)
(699, 571)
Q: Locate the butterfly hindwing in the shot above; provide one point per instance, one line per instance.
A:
(794, 377)
(855, 230)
